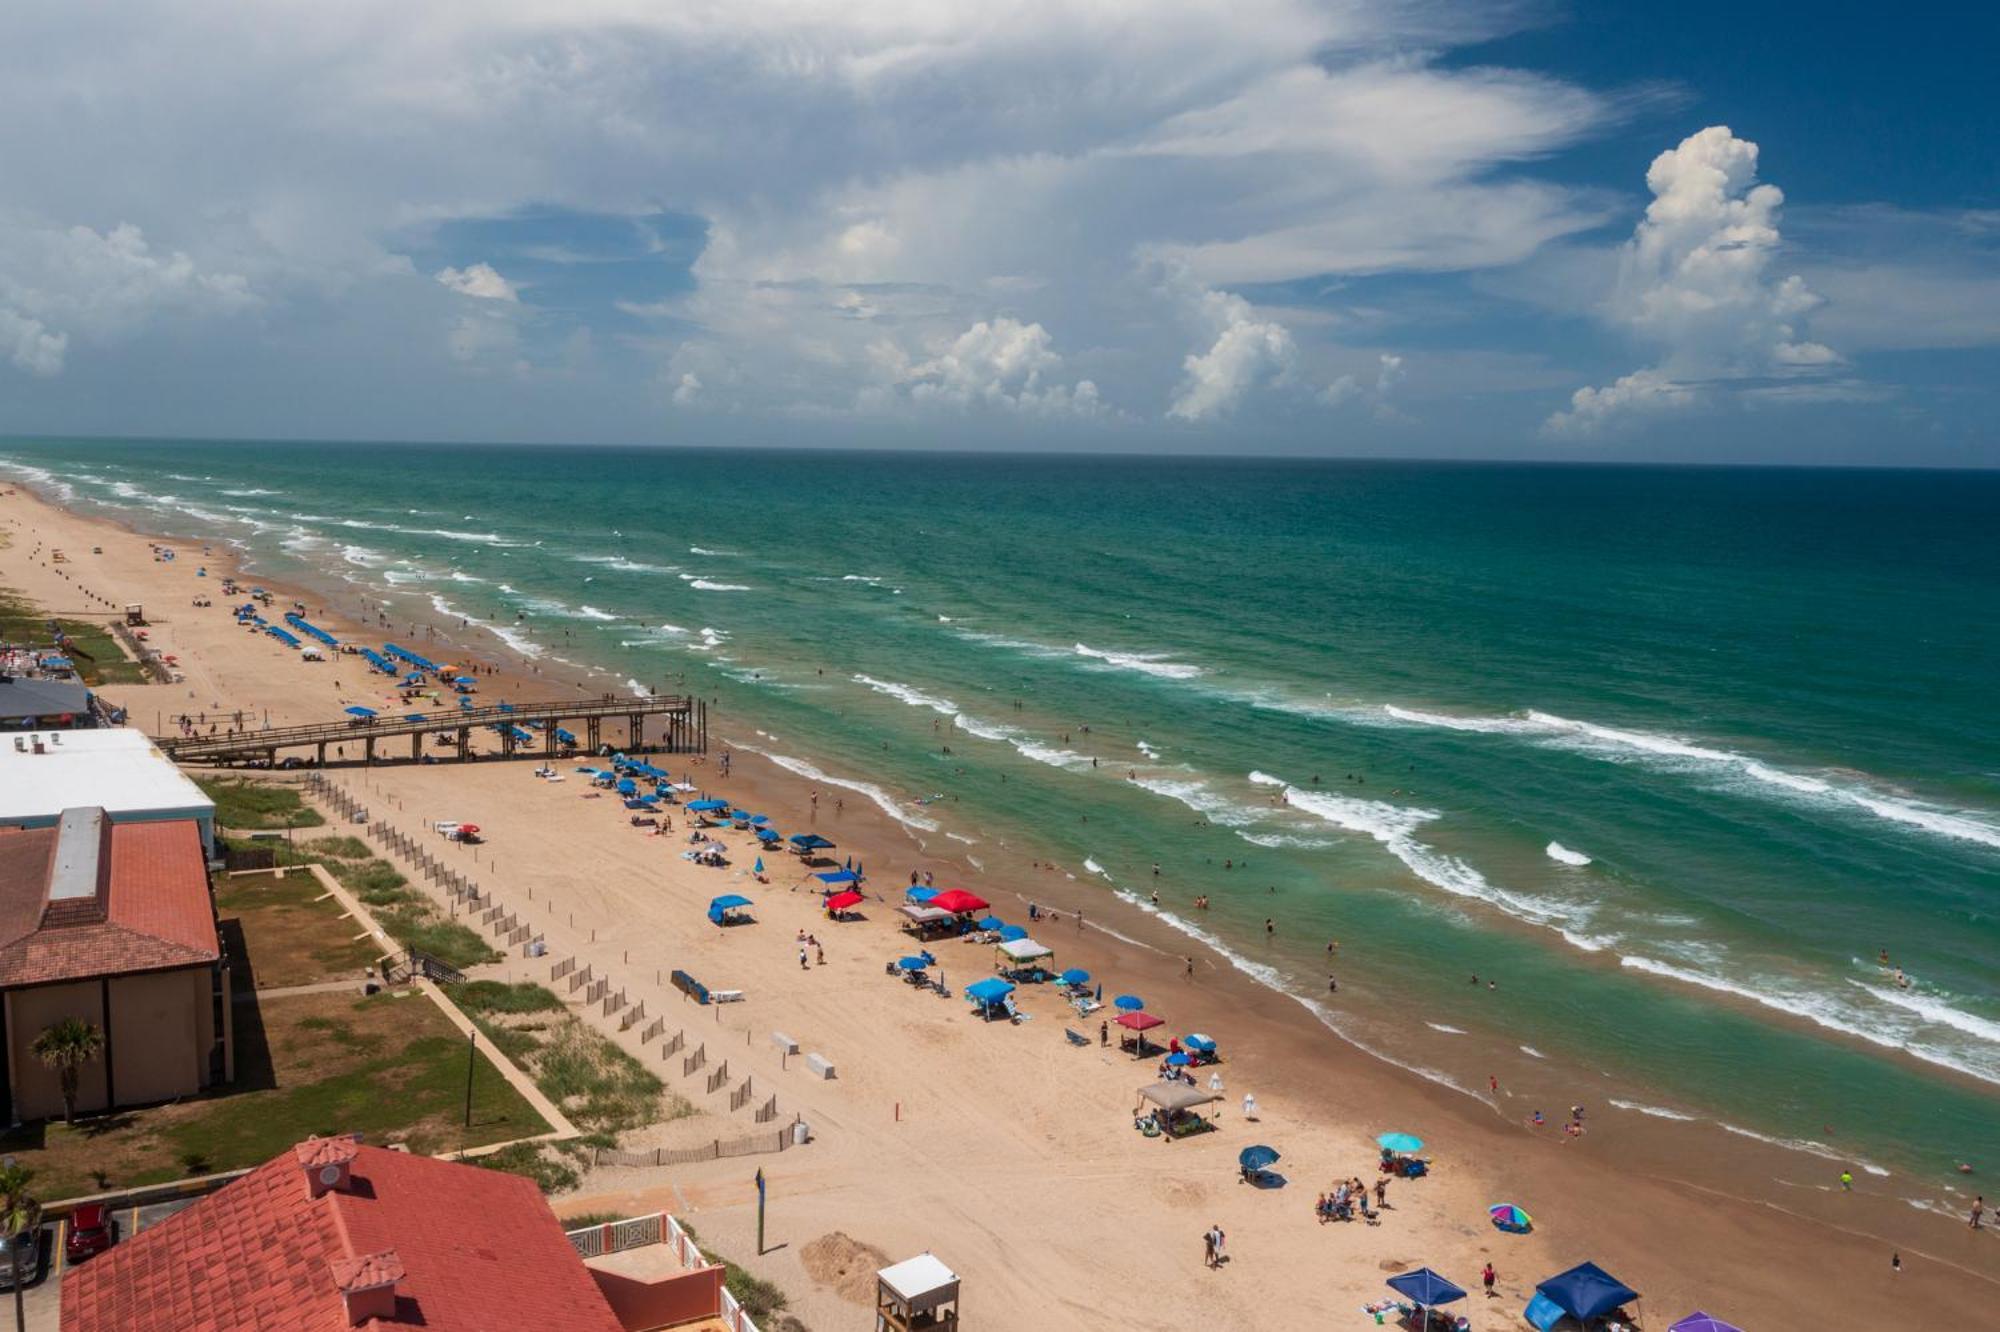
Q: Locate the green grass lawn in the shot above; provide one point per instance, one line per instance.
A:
(241, 802)
(390, 1067)
(288, 931)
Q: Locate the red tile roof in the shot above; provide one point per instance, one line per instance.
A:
(479, 1250)
(158, 913)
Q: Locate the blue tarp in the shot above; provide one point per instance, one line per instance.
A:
(1425, 1287)
(413, 716)
(1586, 1291)
(404, 654)
(360, 712)
(989, 991)
(310, 630)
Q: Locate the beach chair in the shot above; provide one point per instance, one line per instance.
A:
(1076, 1038)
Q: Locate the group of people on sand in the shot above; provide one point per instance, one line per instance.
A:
(1350, 1196)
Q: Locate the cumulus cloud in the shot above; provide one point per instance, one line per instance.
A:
(687, 390)
(99, 285)
(478, 280)
(30, 346)
(1695, 281)
(1247, 352)
(998, 363)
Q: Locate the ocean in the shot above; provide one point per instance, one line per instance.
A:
(1665, 757)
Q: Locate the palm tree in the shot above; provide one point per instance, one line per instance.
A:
(66, 1046)
(18, 1212)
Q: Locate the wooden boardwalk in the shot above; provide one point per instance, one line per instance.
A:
(682, 730)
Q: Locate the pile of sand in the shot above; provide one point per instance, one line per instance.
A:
(846, 1264)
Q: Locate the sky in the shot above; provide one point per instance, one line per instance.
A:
(1699, 232)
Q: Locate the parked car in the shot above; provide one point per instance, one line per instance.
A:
(91, 1232)
(25, 1250)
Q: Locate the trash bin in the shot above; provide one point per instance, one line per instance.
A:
(801, 1133)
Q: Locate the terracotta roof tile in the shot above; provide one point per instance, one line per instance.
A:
(480, 1252)
(158, 912)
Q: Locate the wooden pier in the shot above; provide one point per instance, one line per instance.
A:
(684, 731)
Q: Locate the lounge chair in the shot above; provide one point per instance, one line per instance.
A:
(1075, 1038)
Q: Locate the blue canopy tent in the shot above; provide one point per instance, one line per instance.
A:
(768, 835)
(811, 842)
(378, 661)
(626, 786)
(838, 877)
(1584, 1292)
(1009, 933)
(359, 711)
(287, 639)
(990, 995)
(919, 894)
(646, 803)
(1425, 1288)
(564, 737)
(719, 909)
(706, 806)
(310, 630)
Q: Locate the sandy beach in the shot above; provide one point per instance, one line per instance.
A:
(1007, 1150)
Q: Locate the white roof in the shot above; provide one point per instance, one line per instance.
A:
(116, 769)
(1025, 950)
(920, 1281)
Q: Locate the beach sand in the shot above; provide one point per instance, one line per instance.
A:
(1004, 1149)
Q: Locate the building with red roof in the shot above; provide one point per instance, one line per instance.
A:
(112, 923)
(334, 1235)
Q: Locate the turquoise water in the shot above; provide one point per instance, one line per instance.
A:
(1757, 701)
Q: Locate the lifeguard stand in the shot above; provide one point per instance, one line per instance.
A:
(919, 1294)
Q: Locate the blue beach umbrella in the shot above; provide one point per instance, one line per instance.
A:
(1701, 1322)
(1128, 1003)
(758, 868)
(1197, 1041)
(1178, 1060)
(1009, 933)
(992, 923)
(1074, 976)
(1403, 1144)
(1257, 1158)
(911, 963)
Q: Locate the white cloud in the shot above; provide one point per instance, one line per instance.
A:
(1247, 352)
(1000, 363)
(101, 286)
(1694, 281)
(1641, 392)
(30, 346)
(687, 390)
(479, 280)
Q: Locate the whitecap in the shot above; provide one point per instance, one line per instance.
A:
(1150, 663)
(882, 800)
(1558, 852)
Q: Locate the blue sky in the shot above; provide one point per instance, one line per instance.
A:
(1703, 231)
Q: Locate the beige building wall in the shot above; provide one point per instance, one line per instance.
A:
(37, 1093)
(156, 1035)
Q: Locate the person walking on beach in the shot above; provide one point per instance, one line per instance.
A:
(1978, 1210)
(1190, 969)
(1103, 1034)
(1847, 1181)
(1208, 1247)
(1487, 1276)
(1250, 1106)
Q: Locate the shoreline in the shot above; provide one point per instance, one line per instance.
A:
(1298, 1070)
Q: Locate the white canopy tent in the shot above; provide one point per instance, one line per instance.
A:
(915, 1293)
